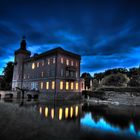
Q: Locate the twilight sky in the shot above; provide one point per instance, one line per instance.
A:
(106, 33)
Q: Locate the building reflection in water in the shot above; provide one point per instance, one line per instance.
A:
(59, 113)
(66, 112)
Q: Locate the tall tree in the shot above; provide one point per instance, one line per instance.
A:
(8, 75)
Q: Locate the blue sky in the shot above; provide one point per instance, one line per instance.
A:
(105, 33)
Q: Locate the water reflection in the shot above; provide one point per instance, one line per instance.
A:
(124, 121)
(59, 113)
(117, 120)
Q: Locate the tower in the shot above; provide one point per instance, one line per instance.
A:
(20, 55)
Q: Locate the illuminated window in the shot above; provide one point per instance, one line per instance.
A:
(76, 111)
(42, 74)
(62, 60)
(67, 62)
(48, 61)
(66, 112)
(71, 85)
(37, 64)
(41, 85)
(77, 86)
(47, 85)
(52, 113)
(46, 111)
(67, 85)
(71, 63)
(40, 110)
(60, 113)
(61, 85)
(71, 112)
(33, 65)
(53, 84)
(53, 60)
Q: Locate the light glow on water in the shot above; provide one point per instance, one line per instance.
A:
(88, 121)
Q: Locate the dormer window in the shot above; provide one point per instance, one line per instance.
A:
(33, 65)
(62, 60)
(67, 62)
(53, 60)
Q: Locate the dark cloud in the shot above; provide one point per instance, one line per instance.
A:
(106, 33)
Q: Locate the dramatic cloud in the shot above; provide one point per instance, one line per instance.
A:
(105, 33)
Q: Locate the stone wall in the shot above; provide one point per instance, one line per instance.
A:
(2, 93)
(60, 96)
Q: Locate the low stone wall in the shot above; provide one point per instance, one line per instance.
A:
(2, 93)
(125, 98)
(60, 96)
(118, 95)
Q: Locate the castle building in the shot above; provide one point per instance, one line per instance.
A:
(56, 71)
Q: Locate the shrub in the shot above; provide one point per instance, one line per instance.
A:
(134, 81)
(118, 79)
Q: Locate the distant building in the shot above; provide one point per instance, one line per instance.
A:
(56, 71)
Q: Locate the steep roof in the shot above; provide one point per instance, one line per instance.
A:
(57, 50)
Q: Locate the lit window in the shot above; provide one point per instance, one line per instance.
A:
(47, 85)
(33, 65)
(71, 112)
(61, 85)
(53, 84)
(71, 85)
(37, 64)
(62, 60)
(67, 62)
(42, 74)
(40, 110)
(46, 111)
(41, 85)
(53, 60)
(52, 113)
(48, 61)
(66, 112)
(71, 63)
(67, 85)
(76, 111)
(60, 113)
(77, 86)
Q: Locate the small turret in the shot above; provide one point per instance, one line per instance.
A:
(20, 55)
(23, 43)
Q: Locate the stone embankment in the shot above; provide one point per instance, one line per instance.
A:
(115, 95)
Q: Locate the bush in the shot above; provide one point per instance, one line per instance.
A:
(118, 79)
(134, 81)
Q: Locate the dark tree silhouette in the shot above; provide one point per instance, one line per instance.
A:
(8, 75)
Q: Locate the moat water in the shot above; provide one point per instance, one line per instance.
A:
(90, 121)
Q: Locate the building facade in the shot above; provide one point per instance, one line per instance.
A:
(55, 71)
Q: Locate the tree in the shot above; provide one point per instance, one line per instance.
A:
(8, 75)
(118, 79)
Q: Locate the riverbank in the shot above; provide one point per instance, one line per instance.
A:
(115, 95)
